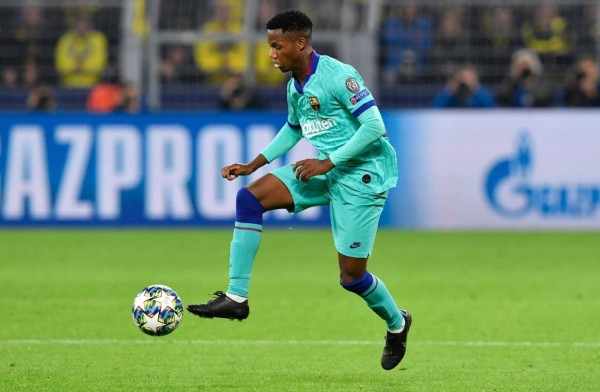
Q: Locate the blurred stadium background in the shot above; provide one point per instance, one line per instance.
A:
(177, 56)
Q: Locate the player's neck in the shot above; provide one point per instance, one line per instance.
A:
(305, 66)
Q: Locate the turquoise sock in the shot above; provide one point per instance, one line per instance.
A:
(244, 245)
(378, 298)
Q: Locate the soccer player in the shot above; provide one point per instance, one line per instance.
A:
(329, 105)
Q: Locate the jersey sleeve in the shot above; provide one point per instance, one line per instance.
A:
(350, 91)
(285, 139)
(371, 128)
(292, 118)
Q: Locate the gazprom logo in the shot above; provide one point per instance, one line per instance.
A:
(512, 193)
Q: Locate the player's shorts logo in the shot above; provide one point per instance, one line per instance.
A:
(352, 85)
(355, 245)
(314, 103)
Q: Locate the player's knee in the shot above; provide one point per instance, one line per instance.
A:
(351, 269)
(248, 208)
(360, 285)
(347, 277)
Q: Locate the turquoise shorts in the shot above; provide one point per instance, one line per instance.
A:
(354, 216)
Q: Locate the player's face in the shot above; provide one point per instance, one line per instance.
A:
(285, 49)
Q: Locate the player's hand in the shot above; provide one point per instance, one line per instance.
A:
(232, 172)
(307, 168)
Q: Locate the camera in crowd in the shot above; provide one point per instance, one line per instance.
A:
(526, 73)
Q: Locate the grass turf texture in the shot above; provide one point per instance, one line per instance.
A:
(492, 312)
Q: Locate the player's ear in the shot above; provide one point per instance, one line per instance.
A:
(301, 43)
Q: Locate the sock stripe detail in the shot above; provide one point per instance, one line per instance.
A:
(360, 285)
(365, 295)
(247, 208)
(247, 228)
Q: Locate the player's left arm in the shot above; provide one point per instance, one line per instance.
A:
(371, 128)
(351, 92)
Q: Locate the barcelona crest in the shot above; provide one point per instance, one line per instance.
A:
(314, 103)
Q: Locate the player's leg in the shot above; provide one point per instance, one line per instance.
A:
(355, 278)
(266, 193)
(354, 222)
(271, 192)
(279, 189)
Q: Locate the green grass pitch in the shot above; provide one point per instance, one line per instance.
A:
(492, 312)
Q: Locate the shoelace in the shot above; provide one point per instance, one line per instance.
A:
(217, 294)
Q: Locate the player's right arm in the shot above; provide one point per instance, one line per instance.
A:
(289, 135)
(231, 172)
(286, 138)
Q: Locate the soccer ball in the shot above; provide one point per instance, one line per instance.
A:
(157, 310)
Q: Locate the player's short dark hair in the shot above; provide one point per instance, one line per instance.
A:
(291, 21)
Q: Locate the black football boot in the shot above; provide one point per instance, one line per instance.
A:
(395, 345)
(221, 307)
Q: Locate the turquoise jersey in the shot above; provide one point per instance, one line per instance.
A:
(326, 111)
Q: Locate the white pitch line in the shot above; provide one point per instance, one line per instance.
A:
(150, 340)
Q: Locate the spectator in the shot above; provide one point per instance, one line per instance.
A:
(111, 95)
(451, 46)
(105, 97)
(406, 36)
(10, 77)
(131, 101)
(109, 98)
(81, 54)
(463, 90)
(218, 59)
(181, 14)
(588, 32)
(547, 33)
(498, 39)
(177, 66)
(526, 85)
(41, 98)
(235, 94)
(27, 47)
(548, 36)
(582, 88)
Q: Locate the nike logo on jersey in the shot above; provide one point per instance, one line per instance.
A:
(355, 245)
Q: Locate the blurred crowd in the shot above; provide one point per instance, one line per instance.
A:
(479, 56)
(45, 47)
(535, 55)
